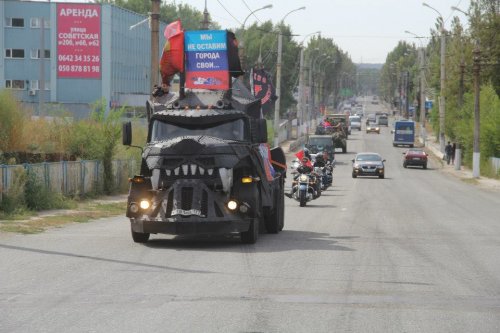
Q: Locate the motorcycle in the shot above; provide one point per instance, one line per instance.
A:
(304, 187)
(327, 174)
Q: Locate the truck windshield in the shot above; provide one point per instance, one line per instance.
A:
(230, 130)
(320, 141)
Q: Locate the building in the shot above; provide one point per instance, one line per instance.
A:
(68, 56)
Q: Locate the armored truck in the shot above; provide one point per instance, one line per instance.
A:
(206, 169)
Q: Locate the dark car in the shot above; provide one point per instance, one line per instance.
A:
(415, 157)
(368, 164)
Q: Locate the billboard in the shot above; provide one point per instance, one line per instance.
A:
(78, 41)
(206, 59)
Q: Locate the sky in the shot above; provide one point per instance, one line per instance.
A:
(366, 29)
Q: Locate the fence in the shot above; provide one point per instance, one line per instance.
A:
(69, 177)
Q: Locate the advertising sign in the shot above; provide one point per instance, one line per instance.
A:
(78, 41)
(206, 59)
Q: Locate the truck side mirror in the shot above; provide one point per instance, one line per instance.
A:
(127, 133)
(262, 130)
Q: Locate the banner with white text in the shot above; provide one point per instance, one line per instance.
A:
(206, 59)
(78, 41)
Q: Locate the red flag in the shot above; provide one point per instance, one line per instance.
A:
(300, 155)
(172, 29)
(172, 58)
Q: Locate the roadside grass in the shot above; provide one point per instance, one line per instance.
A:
(471, 181)
(84, 212)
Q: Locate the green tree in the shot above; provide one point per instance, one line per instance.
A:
(490, 125)
(11, 124)
(263, 39)
(108, 125)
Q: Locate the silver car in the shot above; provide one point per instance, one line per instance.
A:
(368, 164)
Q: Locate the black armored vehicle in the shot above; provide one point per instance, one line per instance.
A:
(206, 169)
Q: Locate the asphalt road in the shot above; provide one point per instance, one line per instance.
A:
(418, 251)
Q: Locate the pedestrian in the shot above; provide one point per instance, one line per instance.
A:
(453, 149)
(447, 152)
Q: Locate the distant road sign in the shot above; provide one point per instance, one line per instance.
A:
(428, 104)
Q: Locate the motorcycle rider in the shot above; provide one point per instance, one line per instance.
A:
(305, 167)
(319, 162)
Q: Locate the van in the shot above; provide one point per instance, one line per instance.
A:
(383, 120)
(355, 122)
(403, 133)
(371, 118)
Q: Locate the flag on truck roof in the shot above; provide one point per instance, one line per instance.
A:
(172, 58)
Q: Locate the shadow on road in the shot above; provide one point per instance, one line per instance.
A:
(287, 240)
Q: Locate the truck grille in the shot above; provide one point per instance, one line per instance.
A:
(189, 198)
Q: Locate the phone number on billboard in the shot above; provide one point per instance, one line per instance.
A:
(77, 57)
(79, 69)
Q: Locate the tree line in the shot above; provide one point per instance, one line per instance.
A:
(261, 39)
(480, 42)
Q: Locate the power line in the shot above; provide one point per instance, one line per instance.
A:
(253, 14)
(227, 11)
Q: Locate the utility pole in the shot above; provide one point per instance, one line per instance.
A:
(407, 102)
(461, 84)
(401, 94)
(300, 110)
(41, 81)
(443, 82)
(278, 90)
(476, 154)
(422, 94)
(155, 27)
(278, 78)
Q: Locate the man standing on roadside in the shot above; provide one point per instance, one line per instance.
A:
(448, 150)
(453, 149)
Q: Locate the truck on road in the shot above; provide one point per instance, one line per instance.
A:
(403, 133)
(206, 167)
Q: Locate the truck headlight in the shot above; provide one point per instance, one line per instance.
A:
(144, 204)
(232, 205)
(134, 208)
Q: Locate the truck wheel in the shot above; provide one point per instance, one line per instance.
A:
(275, 220)
(251, 236)
(140, 237)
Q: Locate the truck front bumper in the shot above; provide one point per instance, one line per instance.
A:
(191, 227)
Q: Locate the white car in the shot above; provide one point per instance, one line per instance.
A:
(355, 122)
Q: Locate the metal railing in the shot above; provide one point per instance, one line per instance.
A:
(68, 177)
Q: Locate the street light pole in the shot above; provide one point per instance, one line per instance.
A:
(300, 102)
(278, 80)
(421, 55)
(476, 152)
(242, 29)
(320, 84)
(442, 102)
(313, 88)
(458, 152)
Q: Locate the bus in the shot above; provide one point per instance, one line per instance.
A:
(404, 133)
